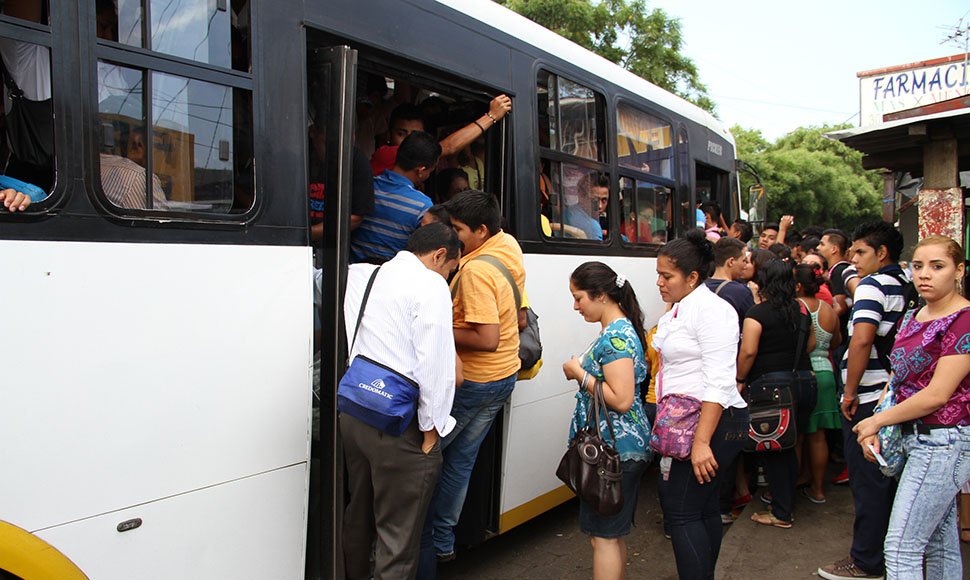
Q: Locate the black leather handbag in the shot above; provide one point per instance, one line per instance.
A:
(778, 402)
(591, 467)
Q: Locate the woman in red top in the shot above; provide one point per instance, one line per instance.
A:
(930, 363)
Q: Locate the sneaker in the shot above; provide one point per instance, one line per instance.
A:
(845, 570)
(727, 519)
(446, 557)
(842, 477)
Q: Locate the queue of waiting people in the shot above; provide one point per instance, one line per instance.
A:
(817, 302)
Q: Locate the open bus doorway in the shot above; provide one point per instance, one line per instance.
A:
(714, 185)
(355, 94)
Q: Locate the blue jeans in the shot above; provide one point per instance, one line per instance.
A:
(924, 516)
(476, 406)
(692, 509)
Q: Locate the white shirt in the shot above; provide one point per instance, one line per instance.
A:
(698, 345)
(30, 66)
(407, 326)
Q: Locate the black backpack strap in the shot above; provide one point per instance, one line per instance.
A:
(363, 305)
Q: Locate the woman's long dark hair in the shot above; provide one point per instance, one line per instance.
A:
(776, 285)
(758, 259)
(597, 279)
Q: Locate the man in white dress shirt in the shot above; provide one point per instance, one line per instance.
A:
(407, 325)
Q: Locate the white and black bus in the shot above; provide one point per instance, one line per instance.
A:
(158, 336)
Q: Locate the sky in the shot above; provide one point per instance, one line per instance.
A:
(779, 65)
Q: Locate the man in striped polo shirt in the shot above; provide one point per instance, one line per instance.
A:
(398, 205)
(878, 305)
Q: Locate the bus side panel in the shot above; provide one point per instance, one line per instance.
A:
(144, 371)
(542, 408)
(243, 529)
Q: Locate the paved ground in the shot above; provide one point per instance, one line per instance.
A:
(551, 546)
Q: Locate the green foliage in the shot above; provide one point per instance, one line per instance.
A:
(816, 179)
(646, 42)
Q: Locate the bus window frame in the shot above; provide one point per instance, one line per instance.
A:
(150, 62)
(642, 176)
(542, 153)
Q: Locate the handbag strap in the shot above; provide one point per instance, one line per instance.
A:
(599, 407)
(363, 305)
(800, 343)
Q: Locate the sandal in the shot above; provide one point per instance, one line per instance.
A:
(807, 494)
(769, 519)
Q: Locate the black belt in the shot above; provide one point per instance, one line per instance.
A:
(912, 428)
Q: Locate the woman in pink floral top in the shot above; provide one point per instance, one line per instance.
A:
(930, 363)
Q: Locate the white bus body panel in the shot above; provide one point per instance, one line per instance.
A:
(541, 409)
(245, 529)
(136, 372)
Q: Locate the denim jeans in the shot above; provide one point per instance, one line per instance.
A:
(692, 509)
(872, 494)
(476, 406)
(924, 516)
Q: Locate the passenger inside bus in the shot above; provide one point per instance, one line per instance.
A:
(123, 176)
(29, 142)
(592, 193)
(449, 182)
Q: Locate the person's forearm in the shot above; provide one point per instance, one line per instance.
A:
(745, 362)
(464, 137)
(858, 360)
(918, 406)
(707, 424)
(477, 339)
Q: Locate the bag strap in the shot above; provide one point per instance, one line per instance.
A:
(600, 400)
(800, 343)
(721, 287)
(495, 262)
(363, 305)
(15, 91)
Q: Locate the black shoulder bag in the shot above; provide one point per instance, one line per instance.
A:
(778, 401)
(30, 125)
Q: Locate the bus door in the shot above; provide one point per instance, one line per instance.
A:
(330, 84)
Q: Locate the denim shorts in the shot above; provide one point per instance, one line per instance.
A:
(618, 525)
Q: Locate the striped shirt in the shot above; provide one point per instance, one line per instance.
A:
(398, 208)
(878, 301)
(124, 182)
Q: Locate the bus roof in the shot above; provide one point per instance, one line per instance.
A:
(520, 27)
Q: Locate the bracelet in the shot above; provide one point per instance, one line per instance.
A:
(489, 115)
(585, 380)
(479, 126)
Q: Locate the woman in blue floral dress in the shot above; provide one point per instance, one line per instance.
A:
(616, 361)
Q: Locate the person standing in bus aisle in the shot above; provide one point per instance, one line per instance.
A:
(878, 305)
(730, 259)
(615, 361)
(398, 205)
(406, 119)
(698, 342)
(486, 328)
(407, 325)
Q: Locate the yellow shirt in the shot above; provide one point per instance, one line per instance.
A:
(654, 363)
(484, 296)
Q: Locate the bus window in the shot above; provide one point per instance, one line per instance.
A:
(571, 117)
(200, 157)
(578, 200)
(643, 142)
(573, 196)
(645, 209)
(37, 11)
(214, 33)
(27, 150)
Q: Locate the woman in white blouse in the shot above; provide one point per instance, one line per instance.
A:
(697, 341)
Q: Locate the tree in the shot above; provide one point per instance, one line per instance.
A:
(816, 179)
(645, 42)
